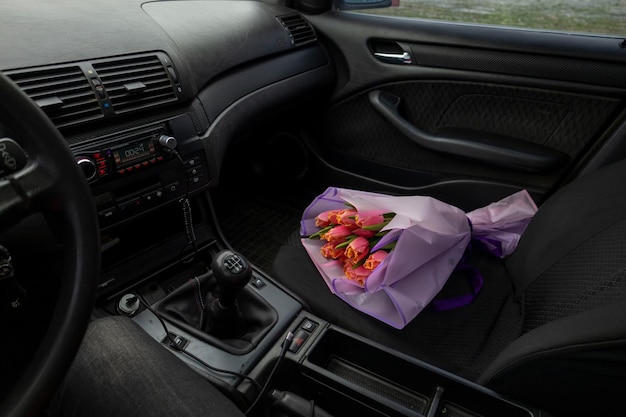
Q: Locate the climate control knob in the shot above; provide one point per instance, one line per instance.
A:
(88, 167)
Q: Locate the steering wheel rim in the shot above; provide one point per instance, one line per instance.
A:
(51, 183)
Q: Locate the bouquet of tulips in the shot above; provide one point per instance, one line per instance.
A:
(354, 239)
(389, 256)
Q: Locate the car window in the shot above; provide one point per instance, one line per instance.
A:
(605, 17)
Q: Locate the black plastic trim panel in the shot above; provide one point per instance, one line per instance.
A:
(236, 84)
(287, 94)
(514, 63)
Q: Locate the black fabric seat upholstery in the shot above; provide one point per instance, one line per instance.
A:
(549, 326)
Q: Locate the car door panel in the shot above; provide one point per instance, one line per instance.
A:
(495, 106)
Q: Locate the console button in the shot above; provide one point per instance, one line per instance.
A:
(172, 188)
(195, 180)
(194, 161)
(257, 282)
(194, 171)
(175, 341)
(308, 325)
(108, 213)
(153, 196)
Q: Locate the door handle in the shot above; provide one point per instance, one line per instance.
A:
(394, 58)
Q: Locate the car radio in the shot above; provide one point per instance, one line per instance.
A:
(125, 155)
(134, 171)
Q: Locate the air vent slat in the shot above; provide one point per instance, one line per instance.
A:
(121, 95)
(144, 102)
(146, 79)
(118, 76)
(119, 88)
(130, 72)
(68, 116)
(299, 29)
(37, 84)
(64, 92)
(128, 63)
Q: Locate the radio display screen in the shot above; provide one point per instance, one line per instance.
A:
(133, 151)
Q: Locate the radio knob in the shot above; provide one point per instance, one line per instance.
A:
(88, 167)
(168, 142)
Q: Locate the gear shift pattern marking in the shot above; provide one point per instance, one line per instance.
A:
(233, 264)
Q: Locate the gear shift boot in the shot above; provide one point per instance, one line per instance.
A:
(221, 322)
(236, 328)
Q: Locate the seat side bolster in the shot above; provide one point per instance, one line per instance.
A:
(577, 363)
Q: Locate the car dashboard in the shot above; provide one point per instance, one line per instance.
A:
(149, 95)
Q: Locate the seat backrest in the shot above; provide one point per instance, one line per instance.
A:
(569, 273)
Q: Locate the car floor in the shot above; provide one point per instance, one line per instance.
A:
(263, 190)
(254, 226)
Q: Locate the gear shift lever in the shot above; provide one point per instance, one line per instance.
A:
(231, 272)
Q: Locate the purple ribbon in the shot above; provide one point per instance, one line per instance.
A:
(474, 278)
(492, 246)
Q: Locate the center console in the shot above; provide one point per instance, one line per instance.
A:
(322, 367)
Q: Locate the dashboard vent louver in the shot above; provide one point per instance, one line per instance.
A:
(300, 31)
(63, 93)
(136, 83)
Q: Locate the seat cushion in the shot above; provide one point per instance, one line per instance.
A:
(452, 340)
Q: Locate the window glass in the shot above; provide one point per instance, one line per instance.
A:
(606, 17)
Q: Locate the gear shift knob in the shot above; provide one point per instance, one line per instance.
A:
(232, 272)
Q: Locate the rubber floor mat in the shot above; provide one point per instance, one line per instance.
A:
(254, 227)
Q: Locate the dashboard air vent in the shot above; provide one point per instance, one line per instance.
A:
(300, 31)
(136, 83)
(63, 93)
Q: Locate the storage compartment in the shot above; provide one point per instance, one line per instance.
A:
(397, 384)
(151, 242)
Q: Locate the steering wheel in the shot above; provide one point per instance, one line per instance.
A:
(46, 179)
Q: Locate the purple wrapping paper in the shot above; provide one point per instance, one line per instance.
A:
(500, 225)
(431, 239)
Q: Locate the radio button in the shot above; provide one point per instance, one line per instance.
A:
(194, 161)
(172, 188)
(153, 196)
(108, 213)
(196, 170)
(130, 205)
(168, 142)
(88, 167)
